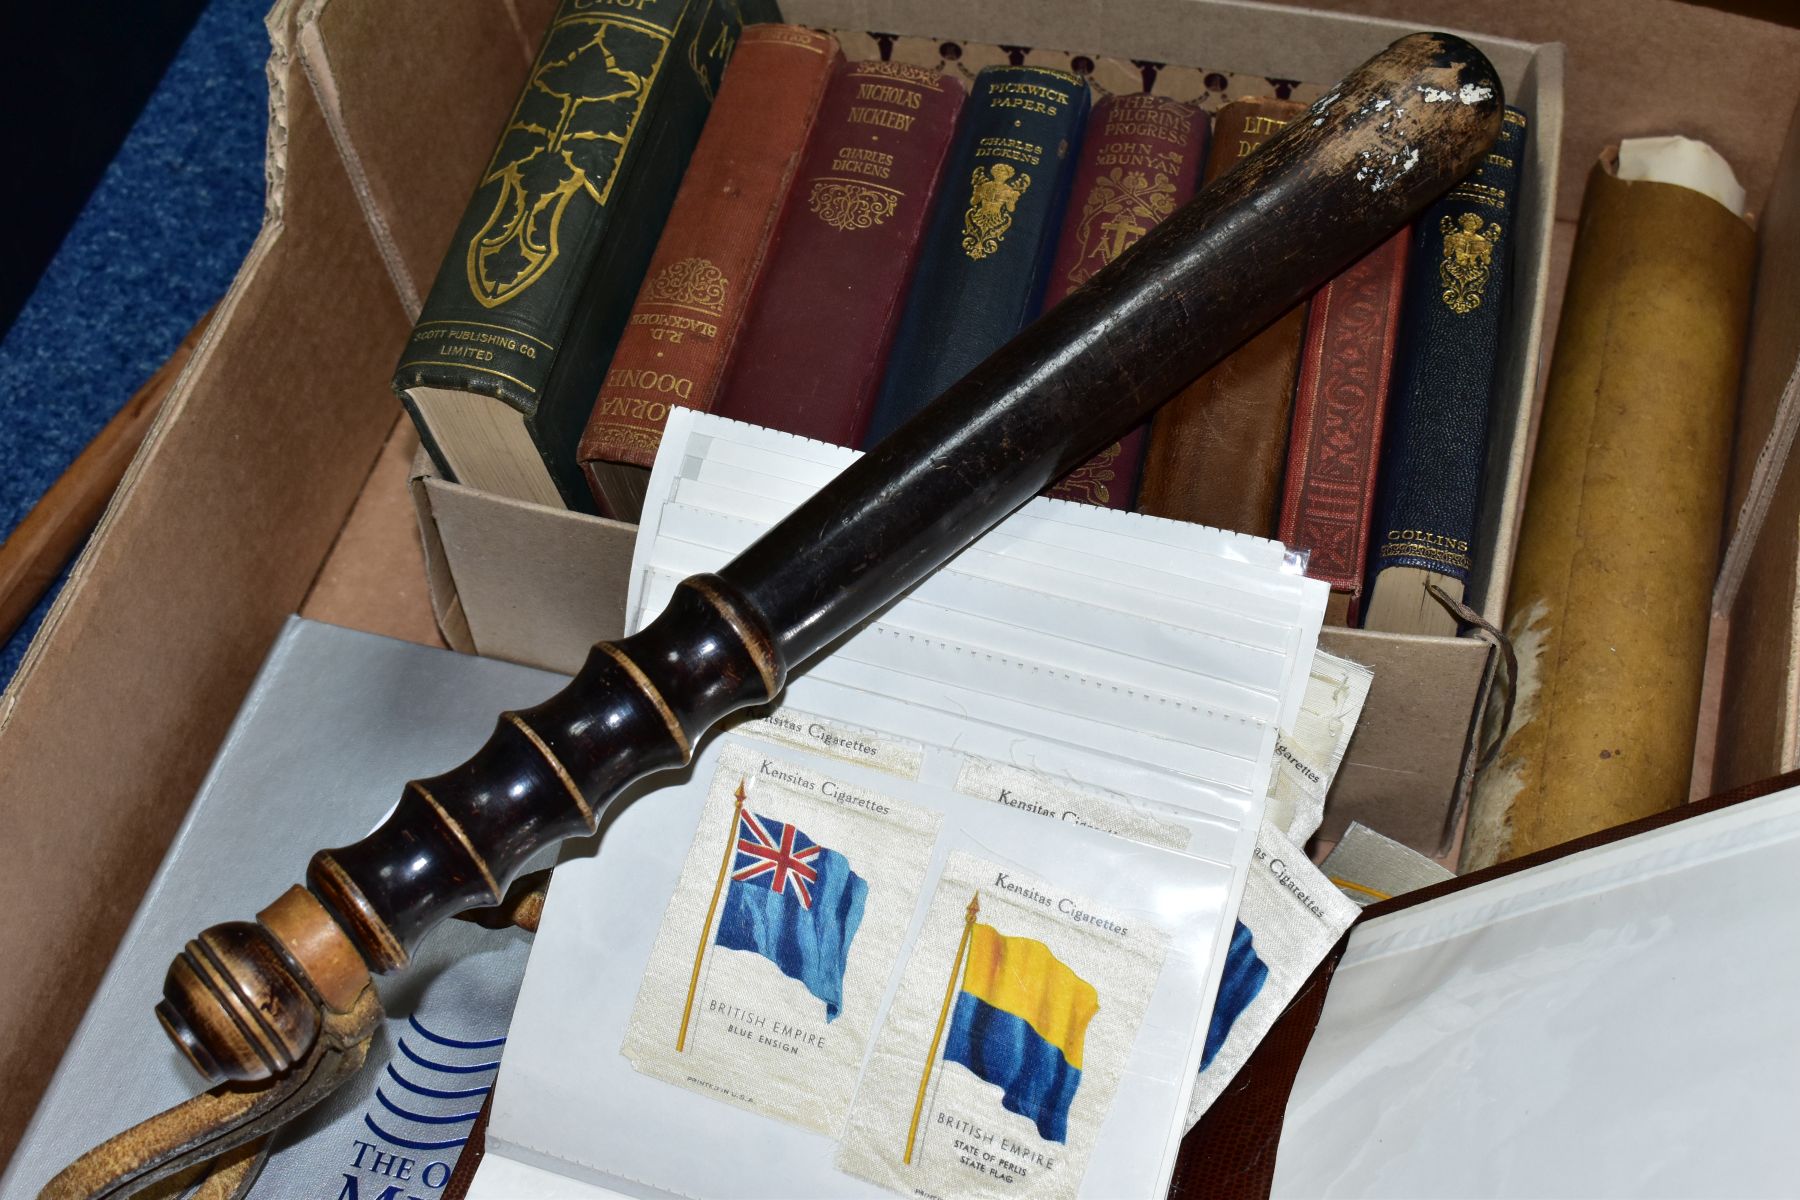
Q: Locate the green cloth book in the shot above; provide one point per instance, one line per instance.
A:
(502, 368)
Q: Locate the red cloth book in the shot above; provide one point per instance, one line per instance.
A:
(690, 309)
(813, 351)
(1346, 364)
(1140, 161)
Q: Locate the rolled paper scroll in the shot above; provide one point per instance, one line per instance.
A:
(1609, 600)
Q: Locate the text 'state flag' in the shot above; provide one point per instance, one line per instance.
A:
(1020, 1022)
(794, 902)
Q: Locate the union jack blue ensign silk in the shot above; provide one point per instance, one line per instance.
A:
(776, 856)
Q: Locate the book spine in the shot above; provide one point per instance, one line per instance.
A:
(993, 232)
(582, 176)
(1455, 298)
(692, 304)
(1217, 450)
(810, 357)
(1346, 365)
(1140, 161)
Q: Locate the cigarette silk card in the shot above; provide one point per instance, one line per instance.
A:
(1007, 1040)
(765, 979)
(1289, 918)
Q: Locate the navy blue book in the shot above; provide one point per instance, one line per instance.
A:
(992, 235)
(1429, 487)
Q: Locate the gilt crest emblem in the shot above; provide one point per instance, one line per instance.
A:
(690, 283)
(993, 195)
(561, 148)
(1122, 207)
(1468, 260)
(847, 205)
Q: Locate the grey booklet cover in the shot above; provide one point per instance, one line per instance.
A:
(335, 724)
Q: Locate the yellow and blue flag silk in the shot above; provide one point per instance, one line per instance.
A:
(1020, 1022)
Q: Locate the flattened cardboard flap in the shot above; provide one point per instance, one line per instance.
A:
(209, 544)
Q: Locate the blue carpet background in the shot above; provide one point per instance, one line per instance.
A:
(156, 245)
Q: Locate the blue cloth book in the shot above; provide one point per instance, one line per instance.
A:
(1435, 451)
(992, 235)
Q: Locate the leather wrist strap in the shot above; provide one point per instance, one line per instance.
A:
(228, 1126)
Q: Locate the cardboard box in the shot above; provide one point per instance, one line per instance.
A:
(276, 477)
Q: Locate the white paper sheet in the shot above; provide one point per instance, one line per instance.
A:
(1616, 1023)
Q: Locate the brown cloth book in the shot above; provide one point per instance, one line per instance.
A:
(1346, 364)
(1217, 450)
(1140, 161)
(691, 307)
(815, 347)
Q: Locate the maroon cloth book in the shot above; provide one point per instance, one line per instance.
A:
(811, 357)
(1346, 363)
(1140, 161)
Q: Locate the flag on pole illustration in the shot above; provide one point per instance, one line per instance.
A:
(1019, 1023)
(1245, 973)
(795, 902)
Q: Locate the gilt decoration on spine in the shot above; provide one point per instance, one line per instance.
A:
(1340, 410)
(1140, 161)
(1434, 452)
(985, 258)
(536, 286)
(851, 231)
